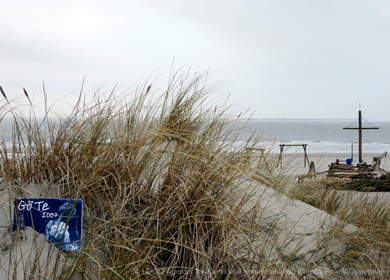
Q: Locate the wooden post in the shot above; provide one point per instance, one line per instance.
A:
(360, 137)
(280, 155)
(261, 156)
(360, 128)
(312, 169)
(305, 158)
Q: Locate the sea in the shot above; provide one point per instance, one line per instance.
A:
(320, 136)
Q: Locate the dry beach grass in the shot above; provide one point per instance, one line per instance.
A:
(167, 195)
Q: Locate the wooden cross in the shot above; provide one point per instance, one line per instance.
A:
(360, 128)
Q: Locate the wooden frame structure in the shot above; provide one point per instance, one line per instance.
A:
(261, 155)
(305, 159)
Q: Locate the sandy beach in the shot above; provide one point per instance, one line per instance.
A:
(295, 162)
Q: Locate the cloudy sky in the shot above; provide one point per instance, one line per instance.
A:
(282, 58)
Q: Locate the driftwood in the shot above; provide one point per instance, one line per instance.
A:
(361, 170)
(358, 171)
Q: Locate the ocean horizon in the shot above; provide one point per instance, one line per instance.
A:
(320, 135)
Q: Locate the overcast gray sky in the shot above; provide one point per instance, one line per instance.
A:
(282, 58)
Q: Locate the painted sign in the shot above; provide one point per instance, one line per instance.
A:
(60, 220)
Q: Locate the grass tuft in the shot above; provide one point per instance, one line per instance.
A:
(159, 177)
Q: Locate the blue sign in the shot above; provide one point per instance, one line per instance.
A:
(58, 219)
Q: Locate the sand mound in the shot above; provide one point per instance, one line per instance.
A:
(304, 236)
(25, 253)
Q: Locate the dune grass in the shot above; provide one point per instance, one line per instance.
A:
(161, 177)
(367, 249)
(158, 174)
